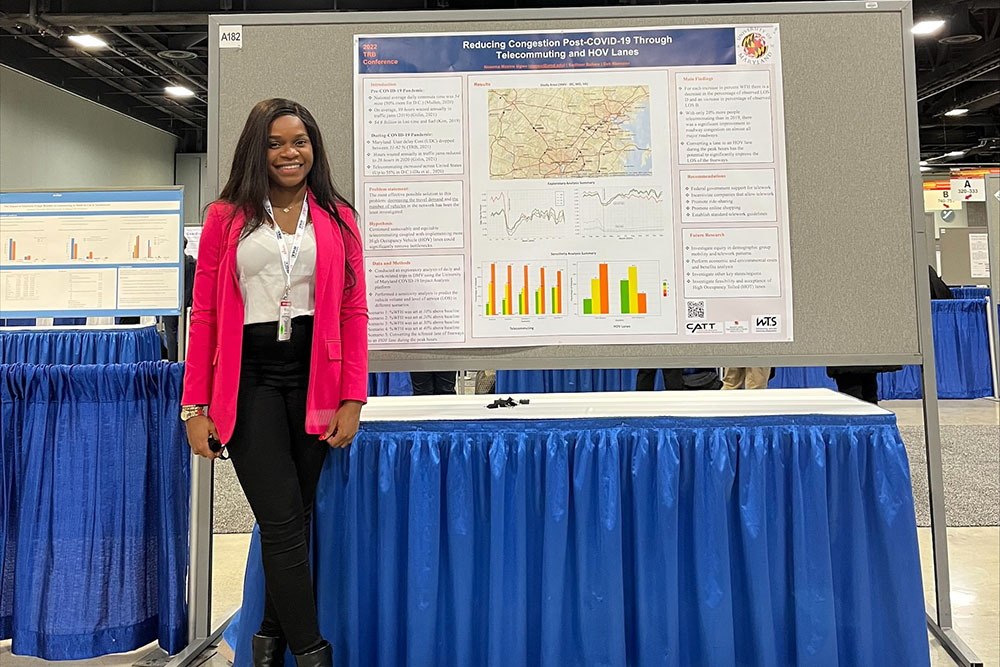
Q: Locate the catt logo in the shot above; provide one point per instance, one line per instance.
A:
(703, 327)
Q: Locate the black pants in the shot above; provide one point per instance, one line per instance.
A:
(170, 323)
(673, 379)
(433, 382)
(859, 385)
(278, 465)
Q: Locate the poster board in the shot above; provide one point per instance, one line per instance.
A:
(965, 256)
(840, 316)
(96, 253)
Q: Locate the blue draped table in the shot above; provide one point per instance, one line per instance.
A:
(753, 540)
(970, 292)
(389, 384)
(961, 354)
(94, 489)
(79, 346)
(961, 347)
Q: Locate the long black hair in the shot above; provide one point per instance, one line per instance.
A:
(248, 183)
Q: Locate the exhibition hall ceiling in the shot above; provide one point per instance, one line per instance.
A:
(149, 59)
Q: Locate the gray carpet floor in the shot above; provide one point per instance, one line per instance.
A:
(971, 456)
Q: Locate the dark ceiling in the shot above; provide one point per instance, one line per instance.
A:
(959, 67)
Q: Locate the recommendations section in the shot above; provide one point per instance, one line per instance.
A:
(573, 187)
(90, 253)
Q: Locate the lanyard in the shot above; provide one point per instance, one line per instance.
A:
(288, 258)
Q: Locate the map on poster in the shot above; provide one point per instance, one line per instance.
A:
(573, 187)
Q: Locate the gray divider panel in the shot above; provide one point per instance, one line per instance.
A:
(848, 160)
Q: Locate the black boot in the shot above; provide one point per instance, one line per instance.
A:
(268, 651)
(321, 657)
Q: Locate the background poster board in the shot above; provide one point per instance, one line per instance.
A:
(91, 253)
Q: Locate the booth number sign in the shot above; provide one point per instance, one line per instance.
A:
(230, 37)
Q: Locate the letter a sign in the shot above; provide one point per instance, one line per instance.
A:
(968, 189)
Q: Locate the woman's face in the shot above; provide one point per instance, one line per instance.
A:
(289, 152)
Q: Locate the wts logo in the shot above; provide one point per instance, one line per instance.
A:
(766, 324)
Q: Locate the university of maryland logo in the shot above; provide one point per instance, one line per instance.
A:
(754, 45)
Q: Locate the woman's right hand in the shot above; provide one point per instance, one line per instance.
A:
(198, 430)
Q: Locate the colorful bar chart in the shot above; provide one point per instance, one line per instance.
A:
(11, 249)
(532, 298)
(630, 300)
(135, 249)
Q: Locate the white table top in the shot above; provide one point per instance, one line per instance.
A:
(770, 402)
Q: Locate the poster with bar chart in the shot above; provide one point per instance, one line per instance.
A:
(526, 289)
(608, 186)
(621, 288)
(91, 253)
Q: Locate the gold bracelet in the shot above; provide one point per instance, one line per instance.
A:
(189, 411)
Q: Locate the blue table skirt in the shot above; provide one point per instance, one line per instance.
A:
(753, 541)
(80, 346)
(94, 488)
(389, 384)
(962, 358)
(970, 292)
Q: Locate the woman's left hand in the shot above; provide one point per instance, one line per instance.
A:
(344, 425)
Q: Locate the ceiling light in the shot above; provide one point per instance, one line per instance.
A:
(177, 54)
(956, 112)
(88, 41)
(928, 27)
(960, 30)
(925, 168)
(923, 163)
(179, 91)
(956, 153)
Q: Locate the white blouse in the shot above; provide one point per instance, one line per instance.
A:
(262, 277)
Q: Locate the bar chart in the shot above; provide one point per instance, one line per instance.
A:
(523, 289)
(11, 253)
(75, 254)
(91, 239)
(620, 288)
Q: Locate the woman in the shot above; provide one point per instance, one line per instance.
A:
(278, 351)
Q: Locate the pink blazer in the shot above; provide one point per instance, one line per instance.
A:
(339, 367)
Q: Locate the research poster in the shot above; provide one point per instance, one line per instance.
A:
(979, 255)
(90, 253)
(573, 187)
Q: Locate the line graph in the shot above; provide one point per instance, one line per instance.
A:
(605, 211)
(527, 214)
